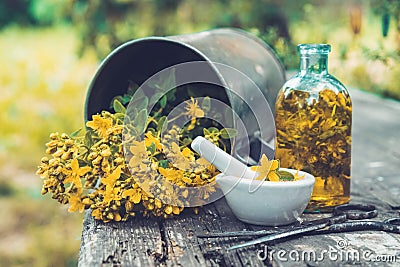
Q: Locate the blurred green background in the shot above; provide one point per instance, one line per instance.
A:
(50, 49)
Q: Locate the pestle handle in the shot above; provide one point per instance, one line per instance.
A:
(220, 159)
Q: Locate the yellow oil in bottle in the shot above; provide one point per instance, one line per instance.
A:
(314, 135)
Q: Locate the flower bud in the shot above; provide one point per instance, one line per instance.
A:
(92, 155)
(58, 153)
(69, 143)
(97, 161)
(54, 136)
(105, 153)
(66, 156)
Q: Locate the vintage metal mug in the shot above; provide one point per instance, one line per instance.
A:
(137, 60)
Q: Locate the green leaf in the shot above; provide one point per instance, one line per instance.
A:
(88, 138)
(171, 95)
(285, 175)
(213, 129)
(228, 133)
(142, 104)
(139, 95)
(126, 99)
(162, 123)
(228, 117)
(155, 98)
(119, 116)
(206, 104)
(163, 101)
(132, 87)
(152, 148)
(132, 113)
(140, 121)
(163, 164)
(167, 79)
(118, 107)
(75, 134)
(119, 98)
(187, 141)
(206, 132)
(217, 117)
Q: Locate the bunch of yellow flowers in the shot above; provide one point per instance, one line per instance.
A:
(92, 171)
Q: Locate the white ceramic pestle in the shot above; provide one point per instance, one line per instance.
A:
(252, 201)
(224, 162)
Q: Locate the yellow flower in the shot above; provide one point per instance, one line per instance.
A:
(297, 176)
(109, 181)
(149, 139)
(97, 214)
(115, 130)
(193, 110)
(172, 175)
(100, 124)
(168, 209)
(139, 153)
(267, 169)
(180, 161)
(134, 194)
(187, 153)
(75, 203)
(74, 175)
(112, 194)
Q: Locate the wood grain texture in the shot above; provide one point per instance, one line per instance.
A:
(173, 242)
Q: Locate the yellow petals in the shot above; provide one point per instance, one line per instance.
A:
(267, 169)
(109, 181)
(111, 193)
(176, 210)
(179, 160)
(273, 176)
(97, 214)
(117, 217)
(135, 195)
(168, 209)
(187, 153)
(297, 176)
(187, 180)
(75, 203)
(149, 139)
(158, 203)
(139, 154)
(172, 175)
(193, 110)
(74, 175)
(100, 124)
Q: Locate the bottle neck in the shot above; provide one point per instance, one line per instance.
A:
(314, 64)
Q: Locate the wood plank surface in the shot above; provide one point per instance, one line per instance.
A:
(174, 242)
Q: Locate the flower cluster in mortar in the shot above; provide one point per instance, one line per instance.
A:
(269, 170)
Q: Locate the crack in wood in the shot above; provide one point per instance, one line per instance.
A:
(161, 258)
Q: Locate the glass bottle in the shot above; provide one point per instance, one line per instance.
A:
(313, 122)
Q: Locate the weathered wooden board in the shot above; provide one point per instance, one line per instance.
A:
(174, 242)
(133, 243)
